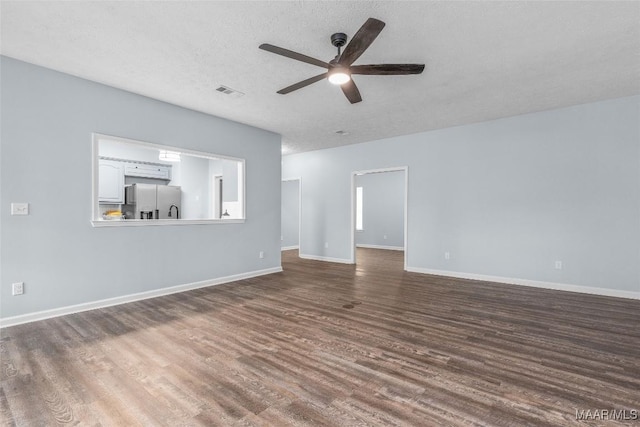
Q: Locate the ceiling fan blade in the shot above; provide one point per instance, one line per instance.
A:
(361, 41)
(293, 55)
(351, 91)
(302, 84)
(387, 69)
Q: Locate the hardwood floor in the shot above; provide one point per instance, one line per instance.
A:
(330, 344)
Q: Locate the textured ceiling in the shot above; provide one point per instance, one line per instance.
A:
(484, 60)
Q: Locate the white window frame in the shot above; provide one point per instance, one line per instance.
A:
(359, 209)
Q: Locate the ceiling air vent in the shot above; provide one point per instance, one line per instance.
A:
(228, 91)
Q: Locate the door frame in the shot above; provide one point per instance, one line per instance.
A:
(404, 169)
(217, 197)
(299, 179)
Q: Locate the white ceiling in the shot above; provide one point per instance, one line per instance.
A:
(484, 60)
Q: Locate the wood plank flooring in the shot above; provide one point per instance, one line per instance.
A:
(330, 344)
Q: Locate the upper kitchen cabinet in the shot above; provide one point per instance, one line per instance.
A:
(148, 171)
(111, 181)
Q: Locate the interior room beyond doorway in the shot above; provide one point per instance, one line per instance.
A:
(379, 212)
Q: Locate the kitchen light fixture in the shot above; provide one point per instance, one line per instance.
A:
(339, 75)
(169, 156)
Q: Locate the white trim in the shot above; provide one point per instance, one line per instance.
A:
(151, 222)
(404, 169)
(62, 311)
(95, 172)
(530, 283)
(289, 248)
(387, 248)
(299, 179)
(359, 209)
(326, 258)
(96, 136)
(243, 199)
(216, 202)
(406, 217)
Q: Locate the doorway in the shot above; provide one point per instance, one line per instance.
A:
(379, 213)
(290, 214)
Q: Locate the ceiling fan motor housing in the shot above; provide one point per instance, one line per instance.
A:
(338, 39)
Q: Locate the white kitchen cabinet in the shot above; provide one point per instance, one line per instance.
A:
(111, 181)
(147, 170)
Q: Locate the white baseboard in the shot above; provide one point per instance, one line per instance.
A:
(326, 258)
(289, 248)
(531, 283)
(387, 248)
(62, 311)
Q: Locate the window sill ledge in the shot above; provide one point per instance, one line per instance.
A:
(98, 223)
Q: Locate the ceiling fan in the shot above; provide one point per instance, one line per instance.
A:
(340, 68)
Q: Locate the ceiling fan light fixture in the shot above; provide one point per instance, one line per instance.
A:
(339, 76)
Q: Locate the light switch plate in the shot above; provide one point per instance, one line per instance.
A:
(19, 208)
(17, 288)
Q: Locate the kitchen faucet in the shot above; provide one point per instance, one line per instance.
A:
(177, 211)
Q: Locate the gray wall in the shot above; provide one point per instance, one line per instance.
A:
(290, 207)
(196, 187)
(229, 181)
(506, 198)
(46, 125)
(383, 209)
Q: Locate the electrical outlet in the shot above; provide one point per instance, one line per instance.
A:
(282, 238)
(447, 255)
(326, 245)
(19, 208)
(17, 288)
(261, 254)
(558, 265)
(384, 237)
